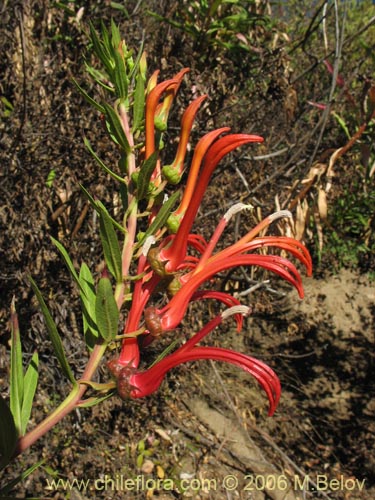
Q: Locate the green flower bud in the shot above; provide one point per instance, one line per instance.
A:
(173, 223)
(172, 175)
(160, 124)
(134, 177)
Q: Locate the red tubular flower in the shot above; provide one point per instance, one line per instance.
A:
(172, 314)
(153, 98)
(174, 171)
(200, 150)
(144, 383)
(168, 266)
(134, 384)
(175, 253)
(151, 105)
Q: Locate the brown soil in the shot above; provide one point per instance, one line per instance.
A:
(208, 421)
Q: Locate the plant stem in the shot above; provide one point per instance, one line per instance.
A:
(131, 223)
(66, 406)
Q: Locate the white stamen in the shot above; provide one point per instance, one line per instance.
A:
(150, 240)
(280, 214)
(240, 309)
(234, 209)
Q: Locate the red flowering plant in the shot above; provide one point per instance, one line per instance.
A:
(155, 264)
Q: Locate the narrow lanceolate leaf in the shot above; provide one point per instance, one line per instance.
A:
(7, 488)
(139, 103)
(111, 247)
(107, 315)
(115, 128)
(30, 383)
(89, 197)
(8, 434)
(100, 50)
(88, 403)
(16, 370)
(88, 299)
(68, 261)
(102, 164)
(145, 173)
(162, 216)
(53, 334)
(88, 98)
(120, 76)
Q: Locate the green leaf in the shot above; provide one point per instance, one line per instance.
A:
(161, 217)
(98, 206)
(100, 78)
(111, 247)
(30, 383)
(99, 47)
(89, 197)
(145, 173)
(90, 402)
(101, 164)
(115, 33)
(68, 262)
(139, 103)
(136, 65)
(119, 6)
(88, 299)
(50, 177)
(9, 487)
(54, 334)
(8, 434)
(107, 314)
(120, 76)
(89, 99)
(16, 371)
(115, 128)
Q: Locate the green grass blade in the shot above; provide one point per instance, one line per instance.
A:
(53, 334)
(12, 484)
(8, 434)
(30, 384)
(107, 314)
(16, 370)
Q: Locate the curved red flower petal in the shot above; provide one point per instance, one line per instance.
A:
(200, 150)
(291, 245)
(186, 125)
(147, 382)
(174, 311)
(175, 254)
(151, 104)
